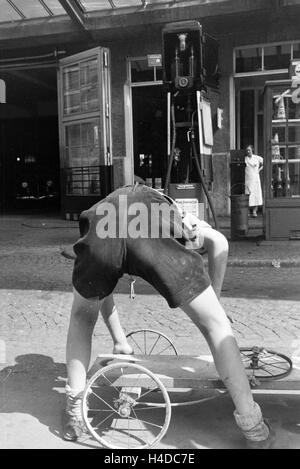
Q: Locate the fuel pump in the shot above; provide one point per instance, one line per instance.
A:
(190, 135)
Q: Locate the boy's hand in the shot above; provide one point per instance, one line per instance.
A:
(192, 231)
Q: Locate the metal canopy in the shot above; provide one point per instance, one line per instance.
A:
(79, 10)
(20, 10)
(64, 20)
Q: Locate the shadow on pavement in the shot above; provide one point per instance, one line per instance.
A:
(30, 390)
(33, 386)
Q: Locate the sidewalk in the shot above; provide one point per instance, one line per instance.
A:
(254, 251)
(51, 233)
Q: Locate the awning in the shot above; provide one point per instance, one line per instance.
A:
(79, 10)
(62, 21)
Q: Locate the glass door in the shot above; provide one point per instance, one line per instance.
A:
(285, 145)
(85, 129)
(282, 144)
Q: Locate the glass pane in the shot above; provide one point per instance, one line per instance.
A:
(93, 5)
(80, 87)
(83, 181)
(294, 134)
(73, 135)
(74, 156)
(82, 144)
(71, 87)
(293, 109)
(140, 72)
(280, 104)
(249, 60)
(247, 117)
(128, 3)
(277, 187)
(294, 179)
(7, 12)
(159, 73)
(31, 8)
(89, 86)
(294, 152)
(72, 103)
(277, 57)
(55, 7)
(71, 78)
(260, 100)
(296, 50)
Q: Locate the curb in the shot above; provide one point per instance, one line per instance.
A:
(276, 263)
(232, 261)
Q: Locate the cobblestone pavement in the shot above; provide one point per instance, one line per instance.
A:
(35, 300)
(35, 297)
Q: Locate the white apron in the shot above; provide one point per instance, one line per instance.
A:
(252, 180)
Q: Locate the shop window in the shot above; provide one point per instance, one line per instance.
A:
(296, 51)
(141, 72)
(277, 57)
(248, 60)
(261, 58)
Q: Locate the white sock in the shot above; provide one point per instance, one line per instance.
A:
(74, 400)
(252, 424)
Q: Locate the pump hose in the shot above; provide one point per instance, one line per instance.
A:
(168, 176)
(210, 202)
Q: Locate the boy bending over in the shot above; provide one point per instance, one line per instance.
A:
(110, 245)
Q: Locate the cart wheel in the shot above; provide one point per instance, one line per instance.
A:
(150, 342)
(265, 364)
(115, 410)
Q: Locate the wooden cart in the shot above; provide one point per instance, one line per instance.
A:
(128, 399)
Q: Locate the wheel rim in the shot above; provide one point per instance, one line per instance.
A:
(151, 342)
(265, 364)
(115, 410)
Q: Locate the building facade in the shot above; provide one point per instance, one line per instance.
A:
(257, 40)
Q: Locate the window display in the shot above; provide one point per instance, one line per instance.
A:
(285, 144)
(282, 150)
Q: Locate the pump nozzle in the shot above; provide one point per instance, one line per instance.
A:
(182, 41)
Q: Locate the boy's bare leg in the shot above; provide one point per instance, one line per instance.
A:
(84, 315)
(111, 318)
(217, 250)
(83, 318)
(209, 316)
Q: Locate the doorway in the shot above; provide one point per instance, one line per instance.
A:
(29, 145)
(150, 133)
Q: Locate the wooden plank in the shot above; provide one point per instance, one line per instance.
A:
(173, 371)
(185, 371)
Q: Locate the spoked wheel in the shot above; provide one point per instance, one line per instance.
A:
(265, 364)
(116, 411)
(150, 342)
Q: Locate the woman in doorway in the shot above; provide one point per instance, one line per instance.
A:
(254, 165)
